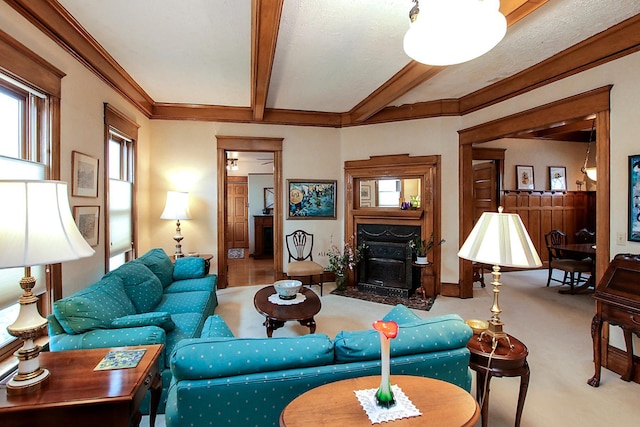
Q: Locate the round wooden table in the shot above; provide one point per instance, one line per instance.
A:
(335, 404)
(277, 315)
(505, 362)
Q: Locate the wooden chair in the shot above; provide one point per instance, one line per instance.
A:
(301, 264)
(558, 261)
(585, 236)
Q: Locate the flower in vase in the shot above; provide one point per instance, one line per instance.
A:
(388, 330)
(422, 247)
(346, 259)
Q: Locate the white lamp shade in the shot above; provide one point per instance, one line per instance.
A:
(500, 239)
(591, 173)
(36, 225)
(177, 206)
(448, 32)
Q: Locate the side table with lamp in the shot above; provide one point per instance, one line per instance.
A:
(499, 239)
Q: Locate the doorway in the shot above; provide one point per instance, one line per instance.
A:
(595, 102)
(247, 144)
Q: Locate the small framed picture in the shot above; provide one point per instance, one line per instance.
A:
(88, 222)
(524, 177)
(269, 198)
(84, 174)
(312, 199)
(558, 178)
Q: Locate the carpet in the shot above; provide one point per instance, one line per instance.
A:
(415, 301)
(235, 253)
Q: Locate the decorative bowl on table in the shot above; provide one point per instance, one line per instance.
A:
(478, 326)
(287, 289)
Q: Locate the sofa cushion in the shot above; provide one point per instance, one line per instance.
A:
(186, 302)
(401, 314)
(188, 268)
(206, 283)
(160, 264)
(223, 357)
(439, 333)
(141, 285)
(93, 307)
(216, 327)
(159, 318)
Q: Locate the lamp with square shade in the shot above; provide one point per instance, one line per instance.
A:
(36, 228)
(499, 239)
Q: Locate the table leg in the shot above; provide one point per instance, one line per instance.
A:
(309, 323)
(628, 339)
(524, 386)
(596, 335)
(156, 392)
(483, 378)
(272, 325)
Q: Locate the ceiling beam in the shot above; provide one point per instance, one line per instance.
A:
(265, 24)
(415, 73)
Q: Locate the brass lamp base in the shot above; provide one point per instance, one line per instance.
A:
(496, 333)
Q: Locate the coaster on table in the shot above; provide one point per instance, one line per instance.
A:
(402, 409)
(275, 299)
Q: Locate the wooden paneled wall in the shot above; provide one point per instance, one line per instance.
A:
(543, 211)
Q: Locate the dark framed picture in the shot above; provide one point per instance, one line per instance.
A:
(524, 177)
(269, 198)
(88, 222)
(312, 199)
(558, 178)
(84, 171)
(634, 198)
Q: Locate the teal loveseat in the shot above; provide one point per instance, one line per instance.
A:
(149, 300)
(222, 380)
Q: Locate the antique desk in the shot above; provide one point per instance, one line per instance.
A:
(617, 303)
(335, 404)
(505, 362)
(77, 395)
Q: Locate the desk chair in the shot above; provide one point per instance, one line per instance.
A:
(301, 264)
(558, 261)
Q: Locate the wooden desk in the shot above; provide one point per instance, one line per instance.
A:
(335, 404)
(580, 251)
(78, 395)
(506, 362)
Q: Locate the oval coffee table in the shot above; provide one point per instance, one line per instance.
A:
(276, 315)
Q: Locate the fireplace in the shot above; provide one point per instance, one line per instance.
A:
(386, 267)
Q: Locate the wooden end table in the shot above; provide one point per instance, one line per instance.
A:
(76, 394)
(277, 315)
(506, 362)
(442, 404)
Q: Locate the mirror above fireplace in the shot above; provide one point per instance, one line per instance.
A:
(389, 192)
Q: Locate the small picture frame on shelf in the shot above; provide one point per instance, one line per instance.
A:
(558, 178)
(524, 177)
(84, 171)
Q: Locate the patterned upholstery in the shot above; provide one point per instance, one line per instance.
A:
(220, 380)
(160, 264)
(161, 318)
(188, 268)
(206, 283)
(142, 286)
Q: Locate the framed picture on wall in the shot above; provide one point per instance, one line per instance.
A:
(312, 199)
(84, 171)
(524, 177)
(88, 222)
(558, 178)
(268, 198)
(634, 199)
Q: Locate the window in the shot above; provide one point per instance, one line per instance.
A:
(120, 154)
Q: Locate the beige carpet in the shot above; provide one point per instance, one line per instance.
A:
(555, 328)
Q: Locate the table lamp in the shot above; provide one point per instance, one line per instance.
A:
(177, 207)
(36, 228)
(499, 239)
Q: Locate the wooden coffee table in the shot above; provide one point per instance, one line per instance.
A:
(335, 404)
(277, 315)
(77, 395)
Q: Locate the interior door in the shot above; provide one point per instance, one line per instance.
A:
(485, 189)
(237, 215)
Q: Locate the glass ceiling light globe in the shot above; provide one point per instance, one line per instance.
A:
(447, 32)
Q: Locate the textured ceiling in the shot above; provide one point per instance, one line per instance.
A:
(330, 54)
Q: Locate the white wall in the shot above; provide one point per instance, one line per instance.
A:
(82, 129)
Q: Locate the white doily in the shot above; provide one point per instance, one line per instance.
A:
(402, 409)
(274, 298)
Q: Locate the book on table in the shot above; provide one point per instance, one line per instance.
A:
(120, 359)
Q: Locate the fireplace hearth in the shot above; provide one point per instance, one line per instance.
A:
(386, 267)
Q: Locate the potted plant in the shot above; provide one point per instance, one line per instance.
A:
(342, 260)
(421, 248)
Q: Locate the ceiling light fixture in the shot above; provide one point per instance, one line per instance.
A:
(447, 32)
(232, 164)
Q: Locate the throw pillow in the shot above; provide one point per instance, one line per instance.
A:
(188, 268)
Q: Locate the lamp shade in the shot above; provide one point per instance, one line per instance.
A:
(500, 239)
(177, 206)
(36, 225)
(447, 32)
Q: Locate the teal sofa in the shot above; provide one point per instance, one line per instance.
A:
(149, 300)
(222, 380)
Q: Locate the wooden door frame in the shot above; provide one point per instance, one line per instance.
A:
(596, 102)
(248, 143)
